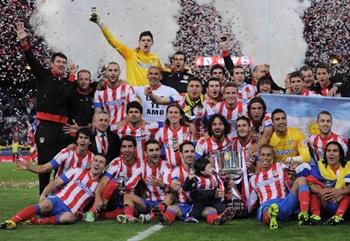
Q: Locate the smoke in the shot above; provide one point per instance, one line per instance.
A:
(65, 26)
(271, 31)
(279, 42)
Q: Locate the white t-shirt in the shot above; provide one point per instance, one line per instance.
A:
(152, 111)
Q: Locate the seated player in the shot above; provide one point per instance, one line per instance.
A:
(78, 186)
(207, 194)
(329, 185)
(79, 157)
(277, 200)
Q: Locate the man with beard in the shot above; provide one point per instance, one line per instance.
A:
(231, 108)
(138, 60)
(115, 97)
(152, 111)
(178, 77)
(66, 159)
(318, 142)
(288, 143)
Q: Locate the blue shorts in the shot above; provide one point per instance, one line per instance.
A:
(287, 206)
(150, 204)
(185, 209)
(58, 207)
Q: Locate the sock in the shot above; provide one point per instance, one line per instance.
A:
(211, 216)
(48, 220)
(304, 198)
(315, 205)
(170, 214)
(129, 211)
(109, 190)
(112, 214)
(266, 217)
(343, 206)
(26, 213)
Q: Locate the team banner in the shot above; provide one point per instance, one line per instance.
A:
(302, 111)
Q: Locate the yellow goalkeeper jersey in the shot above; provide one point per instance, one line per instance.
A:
(291, 145)
(137, 62)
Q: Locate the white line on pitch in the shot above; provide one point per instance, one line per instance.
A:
(145, 234)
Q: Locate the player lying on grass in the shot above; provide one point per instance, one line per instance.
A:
(63, 207)
(207, 194)
(329, 184)
(277, 200)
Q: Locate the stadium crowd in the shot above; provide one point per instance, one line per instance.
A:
(169, 145)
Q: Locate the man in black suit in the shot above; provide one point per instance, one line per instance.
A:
(104, 141)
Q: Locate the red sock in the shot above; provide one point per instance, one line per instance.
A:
(304, 198)
(112, 214)
(315, 205)
(211, 217)
(266, 217)
(343, 206)
(109, 190)
(48, 220)
(129, 211)
(26, 213)
(170, 214)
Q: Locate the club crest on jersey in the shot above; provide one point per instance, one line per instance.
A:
(41, 139)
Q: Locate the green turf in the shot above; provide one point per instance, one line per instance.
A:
(22, 191)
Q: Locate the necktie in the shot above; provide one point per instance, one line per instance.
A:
(104, 146)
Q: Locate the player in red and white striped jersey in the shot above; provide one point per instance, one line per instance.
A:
(231, 108)
(245, 91)
(80, 185)
(175, 180)
(297, 86)
(192, 103)
(278, 197)
(261, 123)
(118, 177)
(137, 128)
(153, 175)
(79, 157)
(173, 134)
(318, 142)
(115, 96)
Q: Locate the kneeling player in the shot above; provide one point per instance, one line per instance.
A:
(62, 207)
(277, 201)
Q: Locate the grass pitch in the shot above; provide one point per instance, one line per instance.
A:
(19, 189)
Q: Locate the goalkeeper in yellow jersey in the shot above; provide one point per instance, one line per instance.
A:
(289, 144)
(138, 60)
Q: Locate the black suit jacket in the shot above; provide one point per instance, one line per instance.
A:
(113, 146)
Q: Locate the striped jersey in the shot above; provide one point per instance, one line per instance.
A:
(179, 173)
(246, 92)
(114, 101)
(79, 190)
(168, 137)
(209, 183)
(271, 184)
(67, 159)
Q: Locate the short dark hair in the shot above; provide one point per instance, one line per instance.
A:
(151, 141)
(217, 66)
(342, 160)
(296, 74)
(194, 78)
(57, 54)
(323, 66)
(278, 110)
(179, 52)
(146, 33)
(243, 117)
(211, 79)
(230, 84)
(264, 80)
(83, 71)
(128, 138)
(223, 120)
(324, 112)
(134, 104)
(85, 131)
(181, 147)
(305, 68)
(199, 165)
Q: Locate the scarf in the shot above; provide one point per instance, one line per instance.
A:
(191, 104)
(328, 174)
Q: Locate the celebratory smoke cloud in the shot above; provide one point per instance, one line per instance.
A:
(270, 31)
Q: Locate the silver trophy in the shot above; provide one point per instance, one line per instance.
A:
(228, 161)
